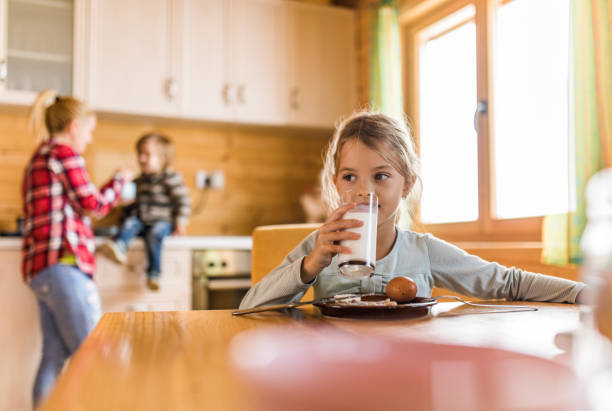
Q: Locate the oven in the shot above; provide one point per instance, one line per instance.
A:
(220, 278)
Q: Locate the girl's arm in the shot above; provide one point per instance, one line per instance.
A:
(83, 195)
(458, 271)
(289, 281)
(283, 284)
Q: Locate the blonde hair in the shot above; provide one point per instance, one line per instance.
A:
(164, 143)
(51, 114)
(388, 137)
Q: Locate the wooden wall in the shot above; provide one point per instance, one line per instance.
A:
(266, 169)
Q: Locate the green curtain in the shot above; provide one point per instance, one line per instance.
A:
(386, 92)
(591, 92)
(386, 64)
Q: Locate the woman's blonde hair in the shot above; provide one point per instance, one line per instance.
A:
(387, 136)
(51, 114)
(163, 142)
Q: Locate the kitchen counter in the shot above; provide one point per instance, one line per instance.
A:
(182, 242)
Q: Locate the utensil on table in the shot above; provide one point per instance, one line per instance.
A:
(291, 305)
(493, 308)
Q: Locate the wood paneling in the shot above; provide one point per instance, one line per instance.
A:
(266, 169)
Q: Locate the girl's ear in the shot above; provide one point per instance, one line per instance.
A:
(407, 187)
(73, 127)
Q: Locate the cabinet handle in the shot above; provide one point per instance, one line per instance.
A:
(3, 71)
(293, 99)
(225, 93)
(171, 88)
(240, 94)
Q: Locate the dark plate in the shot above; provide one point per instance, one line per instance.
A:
(418, 307)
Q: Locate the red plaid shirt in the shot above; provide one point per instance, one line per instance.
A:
(57, 193)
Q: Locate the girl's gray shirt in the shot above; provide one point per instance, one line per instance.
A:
(424, 258)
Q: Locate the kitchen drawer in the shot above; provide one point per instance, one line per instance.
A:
(176, 270)
(164, 300)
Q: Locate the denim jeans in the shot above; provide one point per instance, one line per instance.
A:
(153, 236)
(69, 307)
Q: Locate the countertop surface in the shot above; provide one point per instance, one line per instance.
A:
(183, 242)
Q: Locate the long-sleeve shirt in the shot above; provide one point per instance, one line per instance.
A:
(58, 193)
(161, 197)
(424, 258)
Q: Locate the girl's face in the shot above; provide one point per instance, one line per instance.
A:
(80, 133)
(362, 169)
(150, 157)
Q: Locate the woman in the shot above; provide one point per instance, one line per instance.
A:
(58, 243)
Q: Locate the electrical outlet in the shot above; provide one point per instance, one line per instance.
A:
(210, 179)
(217, 180)
(200, 179)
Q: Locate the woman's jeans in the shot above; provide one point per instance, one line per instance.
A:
(153, 236)
(69, 307)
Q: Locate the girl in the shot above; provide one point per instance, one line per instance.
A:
(374, 152)
(58, 244)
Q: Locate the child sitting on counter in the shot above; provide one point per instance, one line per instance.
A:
(161, 206)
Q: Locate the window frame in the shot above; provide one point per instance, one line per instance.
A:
(415, 17)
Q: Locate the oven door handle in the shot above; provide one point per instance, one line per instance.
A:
(229, 284)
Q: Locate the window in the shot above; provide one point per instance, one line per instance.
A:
(487, 90)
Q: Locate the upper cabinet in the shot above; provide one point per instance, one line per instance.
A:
(132, 57)
(260, 60)
(37, 48)
(322, 65)
(234, 60)
(271, 62)
(205, 62)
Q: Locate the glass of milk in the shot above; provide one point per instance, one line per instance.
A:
(360, 263)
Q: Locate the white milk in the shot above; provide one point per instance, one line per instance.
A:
(363, 259)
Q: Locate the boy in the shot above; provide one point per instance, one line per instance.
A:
(161, 206)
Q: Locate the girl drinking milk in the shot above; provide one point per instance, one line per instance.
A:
(373, 152)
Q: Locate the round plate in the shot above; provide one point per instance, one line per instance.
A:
(418, 307)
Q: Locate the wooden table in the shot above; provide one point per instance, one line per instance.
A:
(179, 360)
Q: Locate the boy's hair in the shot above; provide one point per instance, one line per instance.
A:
(51, 114)
(163, 142)
(387, 136)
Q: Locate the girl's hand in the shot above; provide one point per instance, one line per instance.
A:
(328, 243)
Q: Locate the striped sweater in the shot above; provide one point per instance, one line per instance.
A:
(160, 197)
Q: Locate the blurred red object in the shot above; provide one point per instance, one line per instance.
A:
(327, 369)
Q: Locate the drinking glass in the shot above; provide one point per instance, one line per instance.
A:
(361, 262)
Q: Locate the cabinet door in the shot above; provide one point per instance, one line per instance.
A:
(131, 57)
(259, 60)
(36, 48)
(204, 32)
(338, 82)
(20, 335)
(306, 64)
(322, 64)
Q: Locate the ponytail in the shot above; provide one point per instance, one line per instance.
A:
(51, 114)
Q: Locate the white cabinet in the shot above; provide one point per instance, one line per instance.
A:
(260, 60)
(323, 63)
(122, 287)
(205, 59)
(271, 62)
(20, 335)
(38, 49)
(234, 60)
(132, 57)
